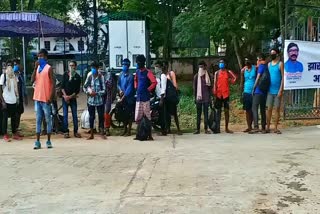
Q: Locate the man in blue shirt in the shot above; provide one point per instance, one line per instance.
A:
(292, 65)
(126, 90)
(259, 98)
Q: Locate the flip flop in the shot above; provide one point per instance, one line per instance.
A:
(277, 132)
(254, 131)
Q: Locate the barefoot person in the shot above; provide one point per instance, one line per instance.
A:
(221, 90)
(44, 93)
(95, 88)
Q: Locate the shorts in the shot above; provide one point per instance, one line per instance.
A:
(247, 101)
(222, 102)
(273, 101)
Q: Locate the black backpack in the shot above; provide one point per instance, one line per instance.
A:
(171, 93)
(264, 81)
(122, 114)
(144, 129)
(212, 121)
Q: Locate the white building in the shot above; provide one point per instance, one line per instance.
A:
(55, 47)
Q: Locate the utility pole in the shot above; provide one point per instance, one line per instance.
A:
(95, 29)
(24, 51)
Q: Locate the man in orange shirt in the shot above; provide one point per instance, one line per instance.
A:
(221, 91)
(44, 93)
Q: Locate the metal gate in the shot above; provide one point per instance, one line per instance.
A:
(303, 103)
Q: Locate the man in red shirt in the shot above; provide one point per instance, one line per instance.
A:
(221, 91)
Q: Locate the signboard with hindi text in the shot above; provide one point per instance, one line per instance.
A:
(301, 65)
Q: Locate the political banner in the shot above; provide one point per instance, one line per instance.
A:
(301, 65)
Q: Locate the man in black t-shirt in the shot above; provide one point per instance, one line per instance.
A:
(70, 89)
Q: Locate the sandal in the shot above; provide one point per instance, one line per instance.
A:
(277, 131)
(77, 135)
(207, 132)
(228, 131)
(247, 130)
(254, 131)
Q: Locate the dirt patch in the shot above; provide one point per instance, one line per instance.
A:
(293, 199)
(302, 174)
(291, 164)
(296, 186)
(265, 211)
(282, 205)
(297, 153)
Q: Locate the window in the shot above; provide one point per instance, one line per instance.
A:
(47, 45)
(81, 45)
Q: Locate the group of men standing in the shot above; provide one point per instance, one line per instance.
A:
(135, 93)
(261, 86)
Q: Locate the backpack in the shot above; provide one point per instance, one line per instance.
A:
(172, 95)
(122, 113)
(212, 121)
(144, 129)
(264, 81)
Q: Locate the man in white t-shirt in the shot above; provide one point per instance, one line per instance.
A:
(161, 92)
(9, 96)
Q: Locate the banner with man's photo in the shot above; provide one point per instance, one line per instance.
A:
(301, 64)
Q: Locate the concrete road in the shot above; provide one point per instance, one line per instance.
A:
(224, 174)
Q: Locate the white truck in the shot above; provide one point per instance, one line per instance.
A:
(127, 39)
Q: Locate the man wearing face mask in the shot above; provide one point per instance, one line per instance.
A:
(276, 70)
(95, 88)
(202, 91)
(161, 77)
(248, 78)
(44, 93)
(70, 88)
(221, 90)
(145, 83)
(259, 97)
(126, 91)
(18, 71)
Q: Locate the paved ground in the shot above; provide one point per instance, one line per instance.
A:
(191, 174)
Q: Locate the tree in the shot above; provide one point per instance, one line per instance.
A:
(161, 14)
(243, 24)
